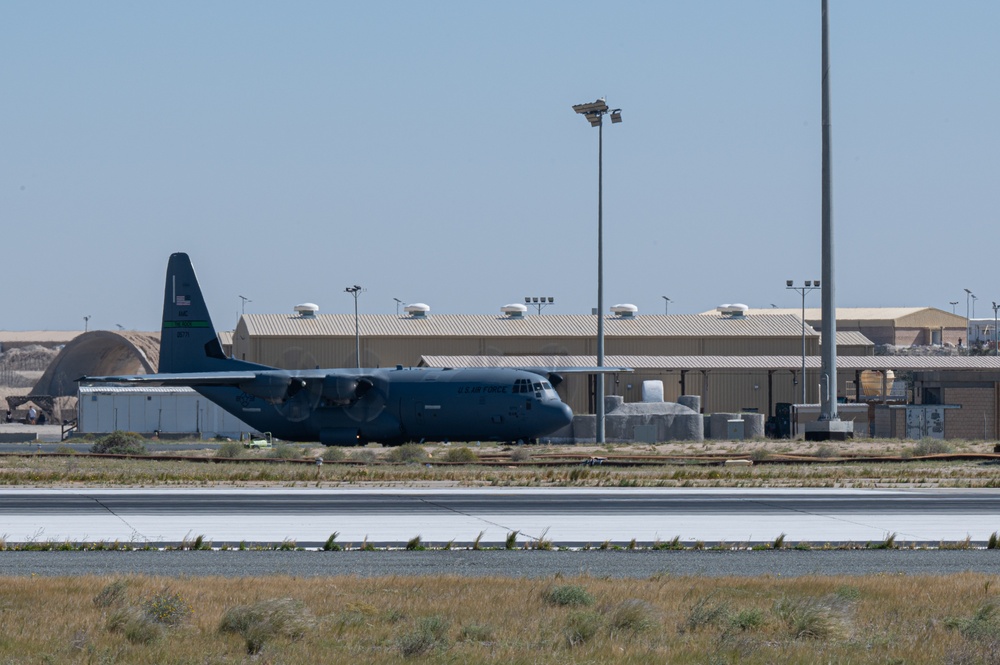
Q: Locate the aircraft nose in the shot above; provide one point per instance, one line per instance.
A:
(560, 415)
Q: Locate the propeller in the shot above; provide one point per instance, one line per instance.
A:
(303, 395)
(369, 399)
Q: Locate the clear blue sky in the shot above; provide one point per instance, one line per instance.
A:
(428, 152)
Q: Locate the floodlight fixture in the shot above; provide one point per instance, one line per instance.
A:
(616, 116)
(540, 302)
(599, 106)
(788, 283)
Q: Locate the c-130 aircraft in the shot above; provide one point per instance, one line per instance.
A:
(346, 406)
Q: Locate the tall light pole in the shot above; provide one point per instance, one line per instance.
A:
(974, 299)
(243, 304)
(398, 303)
(809, 285)
(86, 322)
(594, 112)
(356, 291)
(968, 322)
(995, 327)
(666, 304)
(828, 417)
(952, 303)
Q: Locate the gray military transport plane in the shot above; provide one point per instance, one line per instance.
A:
(346, 406)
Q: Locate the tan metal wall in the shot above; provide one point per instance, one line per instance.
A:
(390, 351)
(723, 391)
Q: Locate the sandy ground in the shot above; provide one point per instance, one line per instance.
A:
(41, 432)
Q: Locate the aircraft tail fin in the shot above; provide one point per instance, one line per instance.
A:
(188, 340)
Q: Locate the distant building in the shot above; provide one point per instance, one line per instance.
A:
(901, 326)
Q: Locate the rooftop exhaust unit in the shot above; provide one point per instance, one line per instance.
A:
(734, 311)
(514, 310)
(307, 310)
(625, 311)
(417, 310)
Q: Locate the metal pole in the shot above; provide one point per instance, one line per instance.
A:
(357, 332)
(356, 291)
(803, 344)
(967, 322)
(600, 278)
(994, 328)
(828, 410)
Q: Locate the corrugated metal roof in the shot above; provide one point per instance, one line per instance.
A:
(852, 338)
(857, 313)
(546, 325)
(723, 362)
(135, 390)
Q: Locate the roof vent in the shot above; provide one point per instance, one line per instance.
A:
(417, 310)
(625, 311)
(514, 311)
(734, 311)
(307, 310)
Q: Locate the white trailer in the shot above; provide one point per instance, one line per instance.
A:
(168, 410)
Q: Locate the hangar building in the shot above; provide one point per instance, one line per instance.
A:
(308, 340)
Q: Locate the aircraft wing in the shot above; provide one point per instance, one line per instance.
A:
(180, 379)
(275, 385)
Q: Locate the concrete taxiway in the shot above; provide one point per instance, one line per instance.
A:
(564, 516)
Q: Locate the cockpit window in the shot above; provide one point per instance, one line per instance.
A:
(545, 384)
(538, 386)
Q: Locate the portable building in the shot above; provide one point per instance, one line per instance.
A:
(167, 410)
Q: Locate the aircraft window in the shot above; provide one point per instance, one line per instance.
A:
(538, 386)
(545, 384)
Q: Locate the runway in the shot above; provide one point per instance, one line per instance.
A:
(567, 517)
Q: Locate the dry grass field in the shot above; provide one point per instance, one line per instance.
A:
(882, 619)
(527, 467)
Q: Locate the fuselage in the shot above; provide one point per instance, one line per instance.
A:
(421, 404)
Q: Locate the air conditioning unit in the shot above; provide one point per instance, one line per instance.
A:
(514, 310)
(417, 310)
(307, 310)
(733, 311)
(625, 311)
